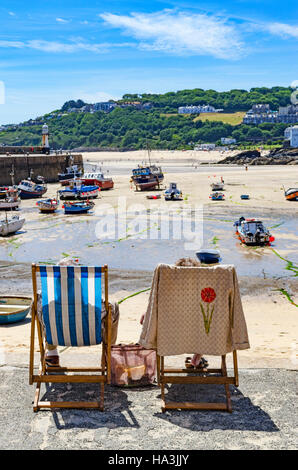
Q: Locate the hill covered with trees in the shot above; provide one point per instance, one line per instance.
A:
(130, 128)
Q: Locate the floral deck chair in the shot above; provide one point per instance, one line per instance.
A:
(195, 310)
(71, 300)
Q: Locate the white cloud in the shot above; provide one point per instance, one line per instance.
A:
(62, 20)
(61, 47)
(96, 97)
(283, 30)
(11, 13)
(180, 33)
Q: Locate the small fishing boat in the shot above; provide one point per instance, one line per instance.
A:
(11, 225)
(97, 178)
(77, 190)
(217, 186)
(244, 196)
(47, 206)
(252, 232)
(173, 193)
(14, 309)
(12, 190)
(291, 194)
(217, 196)
(148, 176)
(208, 256)
(70, 173)
(153, 196)
(11, 201)
(30, 190)
(77, 207)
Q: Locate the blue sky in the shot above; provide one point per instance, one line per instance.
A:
(52, 51)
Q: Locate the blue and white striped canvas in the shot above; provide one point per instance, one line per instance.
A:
(71, 305)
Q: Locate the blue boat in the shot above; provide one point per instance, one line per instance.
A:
(208, 256)
(77, 190)
(77, 207)
(217, 197)
(244, 196)
(14, 309)
(30, 190)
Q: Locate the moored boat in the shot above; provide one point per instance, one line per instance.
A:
(208, 256)
(70, 174)
(12, 190)
(77, 190)
(244, 196)
(14, 308)
(147, 177)
(172, 193)
(47, 206)
(217, 196)
(97, 178)
(11, 201)
(153, 196)
(30, 190)
(217, 186)
(291, 194)
(11, 225)
(252, 232)
(81, 207)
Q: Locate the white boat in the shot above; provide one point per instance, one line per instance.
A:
(9, 203)
(217, 186)
(11, 225)
(173, 193)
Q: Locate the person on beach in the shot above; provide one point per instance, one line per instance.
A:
(197, 361)
(52, 355)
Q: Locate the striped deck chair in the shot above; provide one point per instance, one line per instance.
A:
(71, 316)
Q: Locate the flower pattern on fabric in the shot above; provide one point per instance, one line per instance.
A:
(208, 295)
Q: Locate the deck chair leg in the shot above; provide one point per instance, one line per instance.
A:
(235, 362)
(158, 369)
(227, 388)
(36, 397)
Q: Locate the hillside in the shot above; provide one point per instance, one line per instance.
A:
(132, 126)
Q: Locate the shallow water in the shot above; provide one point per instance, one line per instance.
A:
(48, 238)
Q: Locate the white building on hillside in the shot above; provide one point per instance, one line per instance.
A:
(291, 134)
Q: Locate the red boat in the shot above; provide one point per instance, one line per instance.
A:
(97, 179)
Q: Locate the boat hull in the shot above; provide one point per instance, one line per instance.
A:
(208, 256)
(12, 226)
(89, 192)
(31, 194)
(292, 194)
(14, 309)
(103, 184)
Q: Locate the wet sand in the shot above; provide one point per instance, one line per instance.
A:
(271, 317)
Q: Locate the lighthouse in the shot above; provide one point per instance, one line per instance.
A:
(45, 136)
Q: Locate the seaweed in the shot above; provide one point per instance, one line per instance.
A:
(133, 295)
(290, 265)
(288, 296)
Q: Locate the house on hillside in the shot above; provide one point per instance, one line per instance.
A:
(291, 136)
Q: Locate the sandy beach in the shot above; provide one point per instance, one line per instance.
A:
(271, 317)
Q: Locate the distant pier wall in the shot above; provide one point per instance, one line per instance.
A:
(47, 166)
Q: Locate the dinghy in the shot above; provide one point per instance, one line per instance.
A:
(217, 196)
(14, 309)
(11, 225)
(77, 207)
(173, 193)
(291, 194)
(47, 206)
(208, 256)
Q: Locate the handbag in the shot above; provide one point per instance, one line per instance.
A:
(132, 365)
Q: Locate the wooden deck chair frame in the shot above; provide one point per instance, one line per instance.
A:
(100, 375)
(165, 376)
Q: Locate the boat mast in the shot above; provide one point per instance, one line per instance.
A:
(148, 150)
(12, 176)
